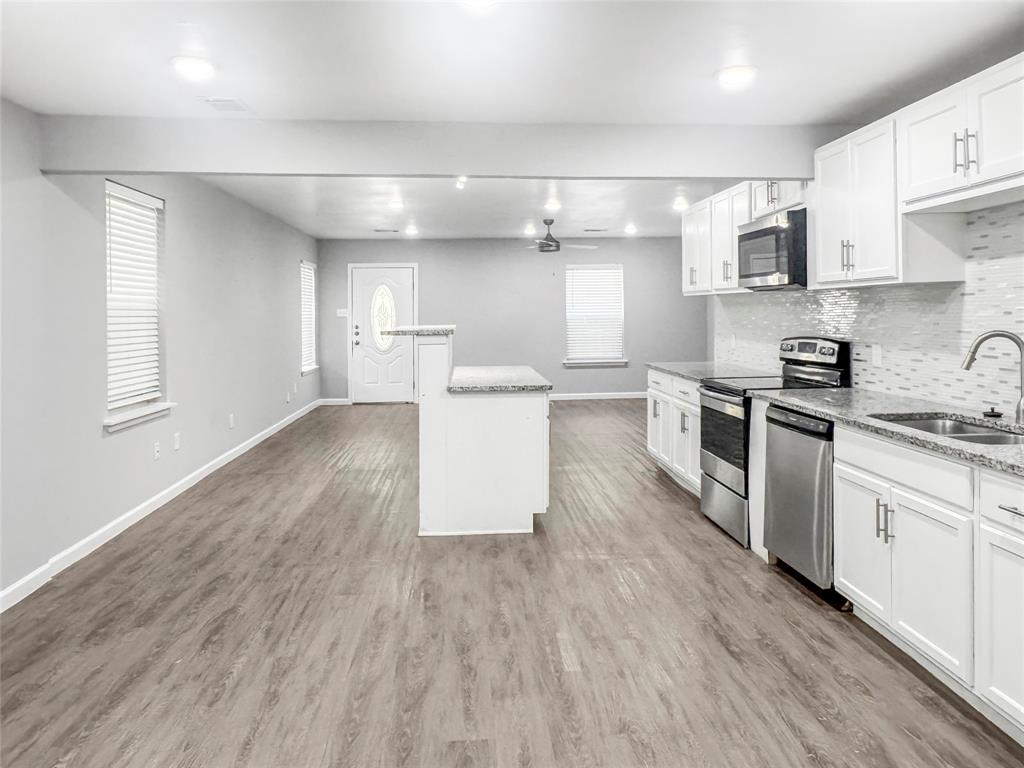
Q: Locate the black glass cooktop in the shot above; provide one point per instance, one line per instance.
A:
(739, 385)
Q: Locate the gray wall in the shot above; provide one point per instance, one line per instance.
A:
(508, 302)
(230, 295)
(923, 331)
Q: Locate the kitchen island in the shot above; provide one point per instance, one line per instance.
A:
(483, 441)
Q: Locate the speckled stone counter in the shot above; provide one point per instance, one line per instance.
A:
(707, 370)
(420, 330)
(497, 378)
(855, 407)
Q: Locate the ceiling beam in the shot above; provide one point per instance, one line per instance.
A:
(74, 144)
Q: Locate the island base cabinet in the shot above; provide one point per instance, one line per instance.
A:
(863, 560)
(931, 580)
(1000, 621)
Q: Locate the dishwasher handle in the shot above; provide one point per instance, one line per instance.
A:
(800, 422)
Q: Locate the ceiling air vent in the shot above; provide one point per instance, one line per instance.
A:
(224, 103)
(595, 230)
(385, 231)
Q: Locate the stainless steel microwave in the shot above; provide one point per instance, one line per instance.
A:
(772, 252)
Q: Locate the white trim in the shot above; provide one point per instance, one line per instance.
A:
(335, 401)
(28, 584)
(598, 396)
(617, 363)
(475, 533)
(134, 195)
(307, 371)
(415, 313)
(123, 418)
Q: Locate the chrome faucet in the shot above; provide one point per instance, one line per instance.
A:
(972, 355)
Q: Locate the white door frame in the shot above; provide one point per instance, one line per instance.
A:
(415, 316)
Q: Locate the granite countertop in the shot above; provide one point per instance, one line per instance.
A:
(420, 330)
(853, 408)
(496, 378)
(707, 370)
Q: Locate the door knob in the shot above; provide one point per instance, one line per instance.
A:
(357, 342)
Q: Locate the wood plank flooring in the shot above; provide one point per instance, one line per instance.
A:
(283, 614)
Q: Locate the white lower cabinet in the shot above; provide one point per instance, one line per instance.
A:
(673, 429)
(932, 584)
(1000, 620)
(863, 560)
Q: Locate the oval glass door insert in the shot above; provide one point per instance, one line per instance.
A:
(382, 317)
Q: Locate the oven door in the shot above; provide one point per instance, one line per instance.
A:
(723, 439)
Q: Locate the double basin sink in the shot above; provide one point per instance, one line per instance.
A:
(951, 426)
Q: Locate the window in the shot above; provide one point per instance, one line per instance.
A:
(307, 287)
(594, 315)
(134, 243)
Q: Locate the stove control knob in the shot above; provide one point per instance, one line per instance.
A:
(787, 347)
(828, 351)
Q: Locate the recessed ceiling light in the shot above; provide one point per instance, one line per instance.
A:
(193, 68)
(530, 230)
(411, 230)
(630, 228)
(552, 205)
(737, 78)
(396, 204)
(460, 183)
(680, 204)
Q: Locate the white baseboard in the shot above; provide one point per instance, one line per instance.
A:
(28, 584)
(598, 396)
(335, 401)
(502, 532)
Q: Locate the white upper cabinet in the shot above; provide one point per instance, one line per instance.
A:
(855, 218)
(768, 196)
(729, 210)
(968, 135)
(931, 145)
(995, 120)
(697, 248)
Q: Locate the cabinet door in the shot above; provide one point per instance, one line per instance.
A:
(665, 426)
(723, 238)
(995, 116)
(863, 562)
(1000, 621)
(873, 253)
(760, 199)
(692, 414)
(789, 193)
(739, 209)
(680, 461)
(653, 424)
(832, 211)
(932, 581)
(697, 248)
(931, 145)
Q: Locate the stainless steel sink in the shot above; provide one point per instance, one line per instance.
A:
(949, 426)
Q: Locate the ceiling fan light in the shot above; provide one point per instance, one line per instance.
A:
(630, 228)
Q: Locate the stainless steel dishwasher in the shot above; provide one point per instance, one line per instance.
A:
(798, 493)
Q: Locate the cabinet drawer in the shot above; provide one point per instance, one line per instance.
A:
(685, 390)
(924, 473)
(1002, 500)
(662, 382)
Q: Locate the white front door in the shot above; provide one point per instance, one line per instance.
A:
(381, 366)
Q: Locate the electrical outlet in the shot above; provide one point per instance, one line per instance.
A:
(156, 451)
(177, 441)
(231, 421)
(732, 342)
(287, 397)
(876, 354)
(295, 388)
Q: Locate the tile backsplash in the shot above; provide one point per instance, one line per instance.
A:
(907, 339)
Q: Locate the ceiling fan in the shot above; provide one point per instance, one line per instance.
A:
(550, 244)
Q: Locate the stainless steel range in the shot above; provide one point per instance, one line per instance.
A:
(808, 361)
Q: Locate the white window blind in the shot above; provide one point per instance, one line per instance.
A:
(134, 242)
(307, 282)
(594, 313)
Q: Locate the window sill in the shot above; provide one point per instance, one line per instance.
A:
(129, 417)
(595, 363)
(307, 371)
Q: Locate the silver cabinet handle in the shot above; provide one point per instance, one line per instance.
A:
(693, 275)
(849, 255)
(682, 422)
(725, 270)
(657, 410)
(728, 270)
(878, 518)
(967, 151)
(844, 257)
(887, 533)
(957, 165)
(1011, 510)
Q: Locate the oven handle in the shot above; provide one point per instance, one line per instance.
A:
(730, 405)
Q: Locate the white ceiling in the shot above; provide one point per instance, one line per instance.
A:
(351, 208)
(576, 62)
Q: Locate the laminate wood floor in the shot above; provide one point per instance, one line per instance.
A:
(283, 613)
